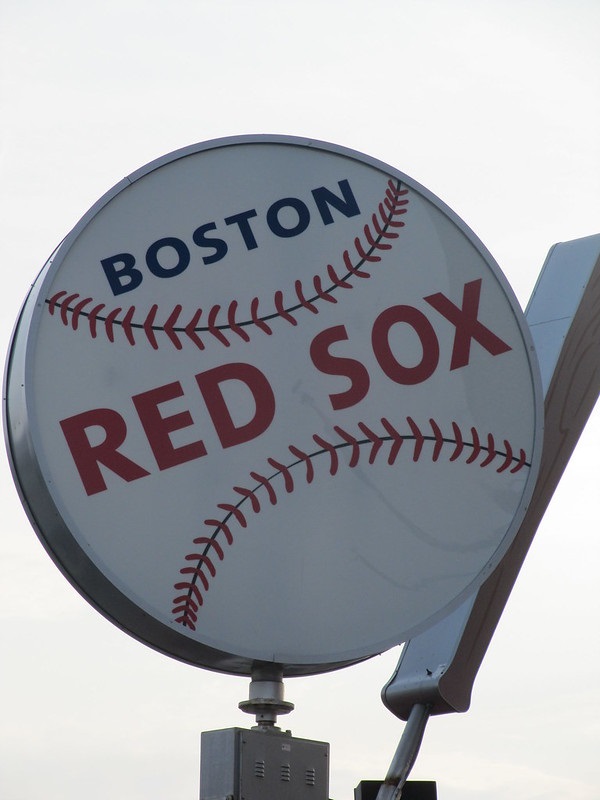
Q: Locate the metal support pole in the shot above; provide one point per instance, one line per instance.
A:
(406, 753)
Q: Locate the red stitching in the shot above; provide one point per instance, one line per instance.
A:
(459, 442)
(201, 558)
(229, 509)
(303, 301)
(64, 307)
(317, 283)
(256, 319)
(439, 440)
(508, 459)
(377, 245)
(188, 617)
(521, 462)
(476, 447)
(283, 312)
(77, 311)
(197, 573)
(418, 437)
(361, 252)
(491, 448)
(375, 440)
(248, 494)
(211, 543)
(127, 325)
(354, 270)
(185, 607)
(397, 440)
(267, 484)
(353, 441)
(304, 457)
(182, 599)
(341, 283)
(365, 249)
(382, 232)
(190, 330)
(189, 607)
(288, 480)
(93, 318)
(52, 303)
(235, 327)
(109, 322)
(148, 327)
(328, 448)
(212, 325)
(220, 526)
(191, 587)
(170, 327)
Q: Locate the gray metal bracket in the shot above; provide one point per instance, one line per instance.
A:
(438, 668)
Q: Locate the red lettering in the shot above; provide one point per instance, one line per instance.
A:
(325, 362)
(92, 460)
(88, 457)
(467, 325)
(159, 428)
(228, 432)
(399, 373)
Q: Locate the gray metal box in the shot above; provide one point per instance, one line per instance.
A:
(238, 764)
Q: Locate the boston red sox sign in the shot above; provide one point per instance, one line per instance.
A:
(271, 400)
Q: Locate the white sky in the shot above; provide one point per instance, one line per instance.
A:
(494, 106)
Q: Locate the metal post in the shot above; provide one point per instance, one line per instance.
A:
(406, 753)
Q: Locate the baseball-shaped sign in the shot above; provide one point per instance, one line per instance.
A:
(272, 401)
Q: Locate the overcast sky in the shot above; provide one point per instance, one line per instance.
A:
(494, 106)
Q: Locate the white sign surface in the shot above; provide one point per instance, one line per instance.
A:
(271, 400)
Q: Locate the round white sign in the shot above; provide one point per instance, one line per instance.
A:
(272, 401)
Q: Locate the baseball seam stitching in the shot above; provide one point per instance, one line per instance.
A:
(72, 308)
(186, 605)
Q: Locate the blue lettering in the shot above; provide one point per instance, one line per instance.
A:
(275, 224)
(285, 218)
(241, 220)
(346, 203)
(122, 275)
(160, 270)
(218, 245)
